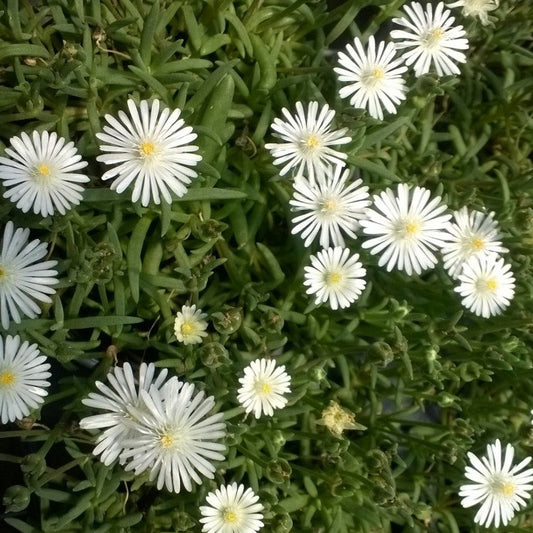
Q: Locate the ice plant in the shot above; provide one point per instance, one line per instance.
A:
(373, 76)
(335, 276)
(23, 378)
(405, 228)
(264, 386)
(151, 148)
(41, 173)
(470, 233)
(477, 8)
(338, 420)
(329, 206)
(176, 436)
(486, 285)
(431, 38)
(116, 400)
(23, 279)
(232, 509)
(307, 141)
(189, 325)
(499, 486)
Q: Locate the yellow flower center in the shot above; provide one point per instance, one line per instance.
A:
(3, 273)
(7, 378)
(166, 440)
(433, 38)
(43, 170)
(412, 228)
(262, 387)
(42, 173)
(230, 516)
(508, 489)
(186, 328)
(312, 141)
(328, 207)
(147, 149)
(485, 286)
(373, 77)
(333, 278)
(492, 284)
(266, 388)
(408, 229)
(478, 244)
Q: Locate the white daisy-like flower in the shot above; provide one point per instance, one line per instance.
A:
(263, 387)
(118, 399)
(500, 487)
(487, 285)
(308, 139)
(477, 8)
(471, 233)
(41, 174)
(374, 77)
(23, 378)
(432, 38)
(149, 149)
(189, 325)
(232, 509)
(330, 206)
(405, 228)
(22, 278)
(335, 276)
(176, 436)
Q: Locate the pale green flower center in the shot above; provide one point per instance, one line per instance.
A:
(328, 206)
(42, 173)
(373, 77)
(262, 387)
(187, 328)
(334, 279)
(433, 38)
(408, 229)
(311, 143)
(229, 516)
(486, 285)
(502, 486)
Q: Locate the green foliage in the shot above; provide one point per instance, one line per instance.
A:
(428, 381)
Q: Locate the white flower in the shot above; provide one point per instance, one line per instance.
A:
(232, 509)
(330, 205)
(150, 149)
(472, 233)
(307, 141)
(263, 387)
(175, 438)
(405, 228)
(22, 278)
(487, 285)
(477, 8)
(118, 399)
(41, 173)
(501, 487)
(189, 325)
(335, 277)
(23, 378)
(432, 38)
(374, 77)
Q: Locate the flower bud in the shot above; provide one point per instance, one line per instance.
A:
(16, 498)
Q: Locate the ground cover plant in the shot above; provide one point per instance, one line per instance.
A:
(265, 266)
